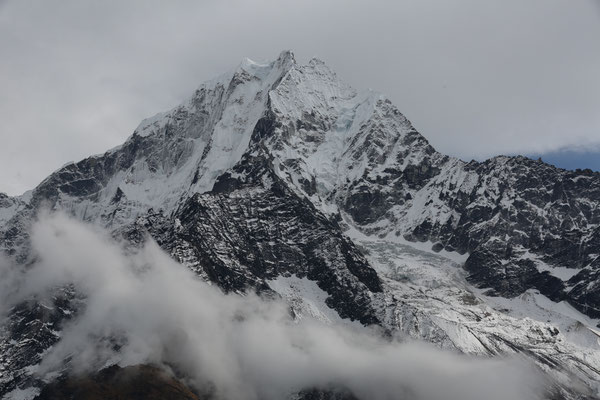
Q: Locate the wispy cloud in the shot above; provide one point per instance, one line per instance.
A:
(243, 347)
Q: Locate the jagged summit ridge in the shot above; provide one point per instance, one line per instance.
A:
(177, 153)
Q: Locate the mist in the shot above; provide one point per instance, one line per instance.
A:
(238, 347)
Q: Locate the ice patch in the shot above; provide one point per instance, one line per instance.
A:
(306, 298)
(426, 247)
(562, 273)
(575, 326)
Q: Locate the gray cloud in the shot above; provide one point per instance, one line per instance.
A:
(246, 347)
(476, 78)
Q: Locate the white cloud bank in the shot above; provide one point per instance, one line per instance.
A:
(246, 347)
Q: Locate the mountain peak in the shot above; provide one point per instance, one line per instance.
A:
(262, 69)
(286, 56)
(316, 61)
(268, 176)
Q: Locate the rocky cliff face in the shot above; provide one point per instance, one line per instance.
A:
(276, 173)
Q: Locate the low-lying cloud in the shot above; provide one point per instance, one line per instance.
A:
(243, 347)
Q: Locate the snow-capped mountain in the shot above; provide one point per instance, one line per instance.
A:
(280, 178)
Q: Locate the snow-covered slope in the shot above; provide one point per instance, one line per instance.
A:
(333, 140)
(355, 152)
(169, 156)
(280, 178)
(434, 301)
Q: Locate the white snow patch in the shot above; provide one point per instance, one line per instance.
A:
(562, 273)
(426, 247)
(575, 326)
(306, 298)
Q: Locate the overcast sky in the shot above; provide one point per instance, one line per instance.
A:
(477, 78)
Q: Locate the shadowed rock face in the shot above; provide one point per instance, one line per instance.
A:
(146, 382)
(521, 216)
(140, 382)
(327, 394)
(253, 228)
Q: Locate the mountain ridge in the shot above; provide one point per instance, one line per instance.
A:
(282, 170)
